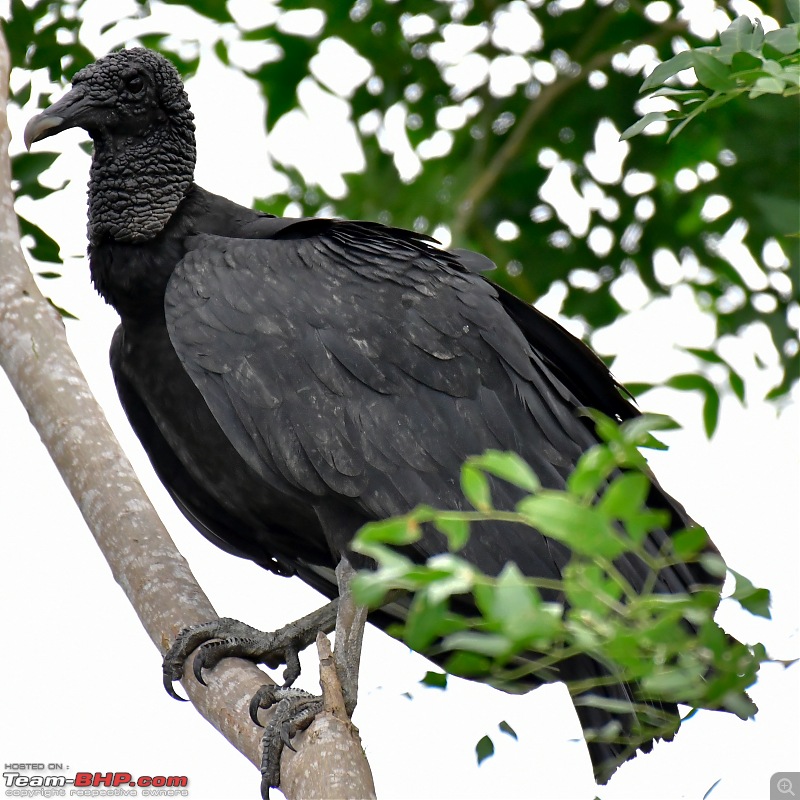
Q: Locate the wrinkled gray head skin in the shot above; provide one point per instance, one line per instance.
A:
(133, 105)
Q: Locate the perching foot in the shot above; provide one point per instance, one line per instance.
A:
(295, 710)
(229, 638)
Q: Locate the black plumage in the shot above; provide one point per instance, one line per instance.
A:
(294, 379)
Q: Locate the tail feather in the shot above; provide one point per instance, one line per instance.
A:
(615, 723)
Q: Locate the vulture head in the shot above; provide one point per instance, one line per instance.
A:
(133, 105)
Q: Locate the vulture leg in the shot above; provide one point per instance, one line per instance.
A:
(229, 638)
(295, 709)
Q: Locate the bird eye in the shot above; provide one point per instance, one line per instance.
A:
(134, 84)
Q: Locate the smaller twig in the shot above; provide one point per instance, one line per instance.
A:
(520, 133)
(332, 696)
(336, 754)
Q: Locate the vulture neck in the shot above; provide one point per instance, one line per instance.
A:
(140, 193)
(136, 183)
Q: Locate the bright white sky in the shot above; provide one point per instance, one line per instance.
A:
(82, 683)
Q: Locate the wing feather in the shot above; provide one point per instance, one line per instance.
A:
(362, 367)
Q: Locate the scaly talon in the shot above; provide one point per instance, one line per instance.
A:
(295, 709)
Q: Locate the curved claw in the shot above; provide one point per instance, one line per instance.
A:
(286, 736)
(263, 698)
(169, 679)
(170, 687)
(254, 707)
(197, 667)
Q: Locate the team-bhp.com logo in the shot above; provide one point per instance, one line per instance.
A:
(90, 784)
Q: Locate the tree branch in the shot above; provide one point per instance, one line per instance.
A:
(520, 134)
(143, 559)
(329, 730)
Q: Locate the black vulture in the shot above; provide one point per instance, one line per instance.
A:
(294, 379)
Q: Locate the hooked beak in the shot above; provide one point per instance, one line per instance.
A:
(71, 111)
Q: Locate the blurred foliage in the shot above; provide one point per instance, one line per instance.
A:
(508, 628)
(534, 107)
(747, 60)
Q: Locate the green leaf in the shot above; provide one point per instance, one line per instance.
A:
(784, 40)
(709, 356)
(689, 542)
(484, 749)
(682, 95)
(742, 35)
(625, 496)
(711, 404)
(475, 487)
(395, 531)
(436, 680)
(221, 51)
(667, 69)
(26, 167)
(791, 74)
(591, 471)
(750, 597)
(457, 576)
(468, 665)
(62, 311)
(638, 526)
(647, 119)
(426, 622)
(606, 703)
(22, 95)
(44, 247)
(636, 430)
(605, 427)
(774, 68)
(279, 79)
(671, 684)
(508, 466)
(711, 412)
(19, 32)
(638, 389)
(744, 62)
(506, 728)
(769, 85)
(714, 101)
(706, 355)
(740, 704)
(37, 191)
(588, 587)
(454, 528)
(584, 530)
(713, 564)
(486, 644)
(515, 606)
(737, 384)
(711, 72)
(369, 589)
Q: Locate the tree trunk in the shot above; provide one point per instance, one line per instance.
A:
(143, 559)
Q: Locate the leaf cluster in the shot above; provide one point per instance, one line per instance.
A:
(513, 630)
(747, 61)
